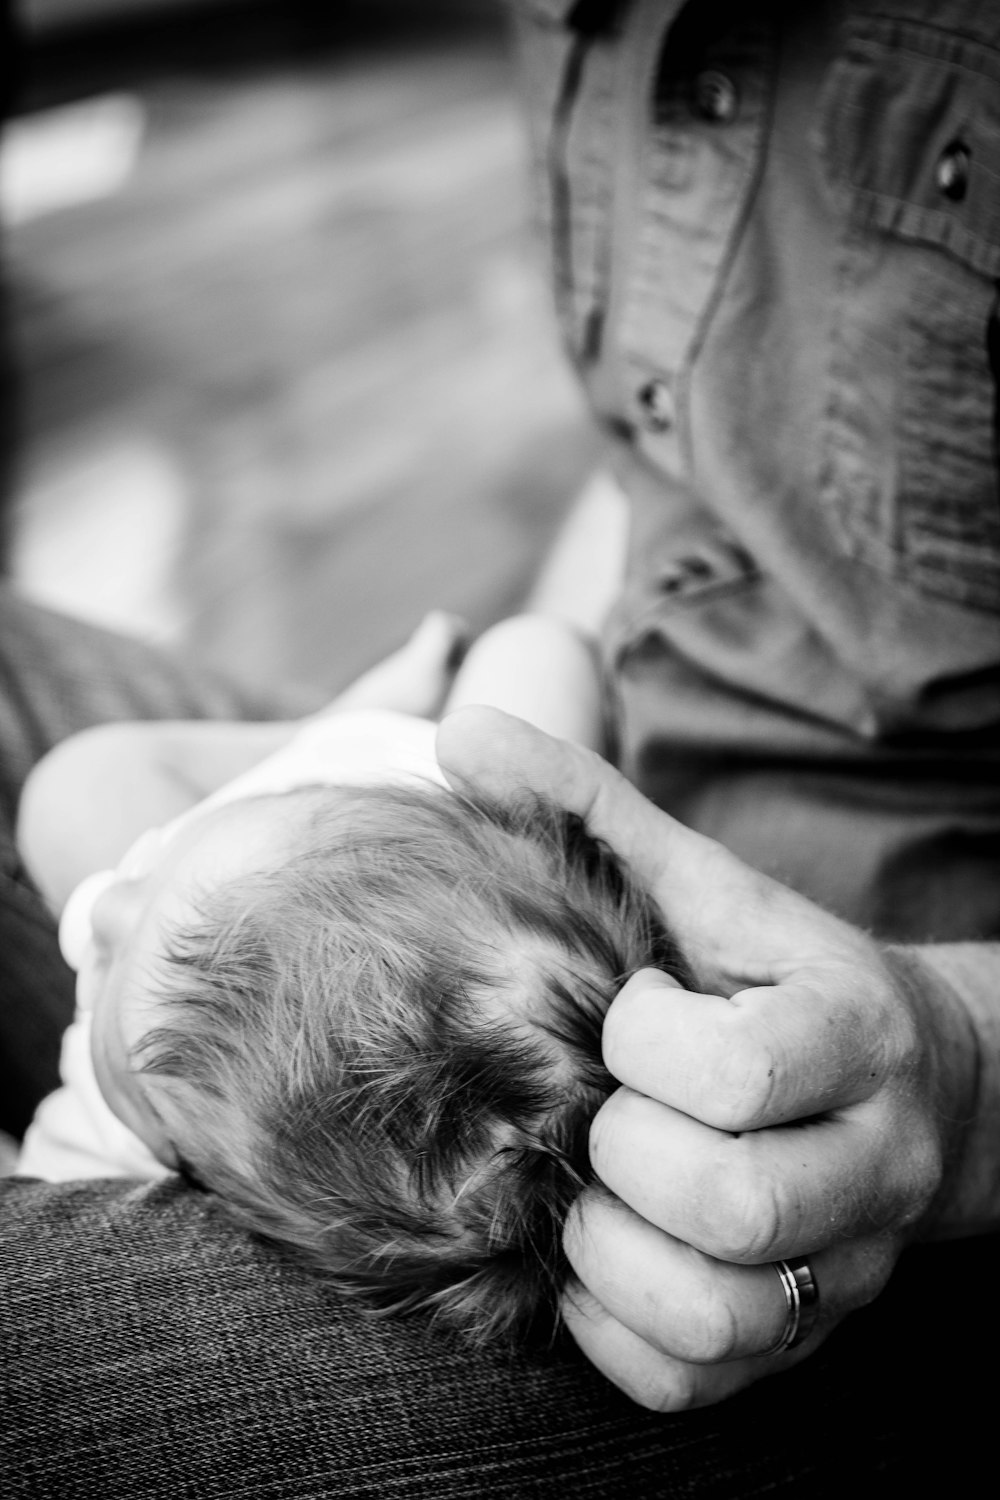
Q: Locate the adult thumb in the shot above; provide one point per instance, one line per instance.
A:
(733, 922)
(505, 758)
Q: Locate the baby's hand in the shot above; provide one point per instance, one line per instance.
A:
(416, 678)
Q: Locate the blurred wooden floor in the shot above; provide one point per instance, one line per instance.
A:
(297, 381)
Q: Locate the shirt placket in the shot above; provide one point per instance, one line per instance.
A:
(578, 170)
(701, 158)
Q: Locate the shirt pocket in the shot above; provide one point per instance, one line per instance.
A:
(909, 134)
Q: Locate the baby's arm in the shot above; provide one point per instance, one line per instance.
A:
(542, 670)
(90, 798)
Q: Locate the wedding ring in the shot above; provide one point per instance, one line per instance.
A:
(801, 1303)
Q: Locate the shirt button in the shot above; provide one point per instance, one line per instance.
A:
(657, 406)
(715, 97)
(671, 582)
(952, 172)
(698, 569)
(684, 575)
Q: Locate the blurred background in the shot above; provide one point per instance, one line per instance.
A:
(285, 372)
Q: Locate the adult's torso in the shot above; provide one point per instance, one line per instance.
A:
(775, 238)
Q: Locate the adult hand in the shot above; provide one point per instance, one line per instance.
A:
(808, 1101)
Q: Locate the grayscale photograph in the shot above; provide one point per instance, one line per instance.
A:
(499, 749)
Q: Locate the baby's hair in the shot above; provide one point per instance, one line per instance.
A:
(386, 1051)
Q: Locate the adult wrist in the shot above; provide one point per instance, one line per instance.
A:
(954, 991)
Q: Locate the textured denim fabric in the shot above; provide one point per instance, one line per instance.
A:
(775, 240)
(150, 1350)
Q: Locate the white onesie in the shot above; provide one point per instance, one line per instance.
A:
(74, 1132)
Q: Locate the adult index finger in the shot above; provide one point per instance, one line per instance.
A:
(762, 1057)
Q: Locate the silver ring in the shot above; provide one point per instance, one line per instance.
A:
(801, 1303)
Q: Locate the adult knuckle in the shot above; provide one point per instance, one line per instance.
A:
(745, 1083)
(920, 1176)
(907, 1163)
(575, 1238)
(902, 1045)
(715, 1331)
(660, 1383)
(749, 1216)
(677, 1390)
(606, 1130)
(894, 1020)
(928, 1163)
(869, 1267)
(619, 1023)
(871, 1277)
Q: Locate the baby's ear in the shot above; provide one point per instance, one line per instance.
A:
(115, 913)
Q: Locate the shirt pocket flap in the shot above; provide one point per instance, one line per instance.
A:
(910, 132)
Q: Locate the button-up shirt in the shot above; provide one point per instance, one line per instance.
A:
(775, 245)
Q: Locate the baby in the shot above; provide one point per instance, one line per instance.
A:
(361, 1007)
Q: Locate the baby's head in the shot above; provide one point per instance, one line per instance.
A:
(369, 1018)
